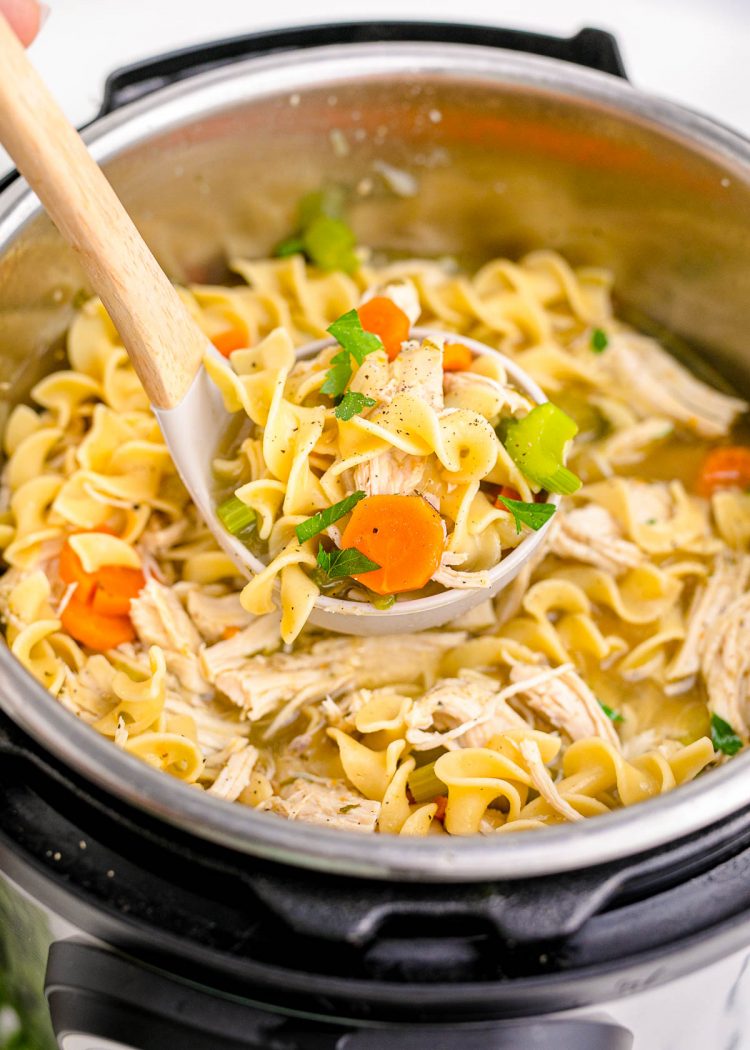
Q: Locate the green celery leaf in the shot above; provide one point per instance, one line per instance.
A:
(532, 514)
(349, 333)
(338, 375)
(599, 340)
(350, 562)
(723, 737)
(352, 403)
(615, 716)
(329, 243)
(320, 521)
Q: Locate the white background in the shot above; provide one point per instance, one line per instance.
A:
(693, 51)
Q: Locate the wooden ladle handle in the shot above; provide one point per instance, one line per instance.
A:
(164, 343)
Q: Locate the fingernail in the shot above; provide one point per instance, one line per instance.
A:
(44, 13)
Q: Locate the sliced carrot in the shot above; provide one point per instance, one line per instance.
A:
(94, 630)
(229, 632)
(72, 571)
(116, 585)
(507, 493)
(383, 318)
(404, 535)
(99, 609)
(442, 802)
(457, 357)
(727, 467)
(231, 339)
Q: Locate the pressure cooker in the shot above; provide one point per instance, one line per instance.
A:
(136, 913)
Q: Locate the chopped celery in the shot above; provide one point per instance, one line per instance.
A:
(424, 785)
(536, 444)
(235, 516)
(383, 601)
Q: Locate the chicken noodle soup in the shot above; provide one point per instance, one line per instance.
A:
(387, 465)
(610, 671)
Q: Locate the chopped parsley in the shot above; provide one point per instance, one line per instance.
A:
(355, 343)
(349, 808)
(599, 340)
(723, 737)
(318, 522)
(614, 716)
(336, 564)
(352, 403)
(534, 515)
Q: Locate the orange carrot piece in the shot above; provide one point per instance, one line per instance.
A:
(442, 802)
(116, 586)
(457, 357)
(727, 467)
(404, 535)
(231, 339)
(507, 493)
(72, 571)
(229, 632)
(383, 318)
(96, 631)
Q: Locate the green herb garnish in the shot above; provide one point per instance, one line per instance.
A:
(355, 343)
(599, 340)
(293, 245)
(536, 444)
(350, 562)
(236, 516)
(534, 515)
(352, 403)
(723, 737)
(349, 808)
(613, 715)
(318, 522)
(349, 333)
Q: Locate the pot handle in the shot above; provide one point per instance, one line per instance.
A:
(593, 48)
(96, 995)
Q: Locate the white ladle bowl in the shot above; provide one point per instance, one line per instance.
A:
(193, 431)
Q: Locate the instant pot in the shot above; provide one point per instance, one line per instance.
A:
(137, 914)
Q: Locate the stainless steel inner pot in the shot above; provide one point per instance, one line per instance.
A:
(506, 153)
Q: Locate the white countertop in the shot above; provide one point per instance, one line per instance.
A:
(692, 51)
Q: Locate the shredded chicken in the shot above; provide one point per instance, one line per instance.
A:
(564, 700)
(466, 711)
(159, 619)
(261, 634)
(391, 473)
(590, 534)
(654, 381)
(542, 781)
(726, 666)
(332, 804)
(235, 776)
(418, 370)
(286, 682)
(724, 586)
(215, 615)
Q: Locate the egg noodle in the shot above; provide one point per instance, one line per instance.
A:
(610, 671)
